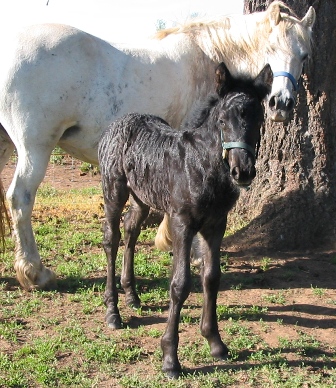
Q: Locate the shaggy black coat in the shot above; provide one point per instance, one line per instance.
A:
(167, 169)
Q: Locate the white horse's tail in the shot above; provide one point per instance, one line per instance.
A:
(163, 239)
(4, 218)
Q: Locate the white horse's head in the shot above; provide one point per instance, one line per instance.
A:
(290, 46)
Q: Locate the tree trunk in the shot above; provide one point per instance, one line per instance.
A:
(292, 201)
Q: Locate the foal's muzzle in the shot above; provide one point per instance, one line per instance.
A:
(241, 162)
(243, 177)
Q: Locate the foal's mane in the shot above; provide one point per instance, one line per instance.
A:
(222, 33)
(200, 112)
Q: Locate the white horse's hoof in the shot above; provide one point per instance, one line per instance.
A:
(32, 279)
(46, 280)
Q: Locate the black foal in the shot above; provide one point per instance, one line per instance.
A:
(187, 175)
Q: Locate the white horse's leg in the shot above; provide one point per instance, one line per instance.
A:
(29, 173)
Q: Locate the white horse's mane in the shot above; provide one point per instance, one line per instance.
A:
(231, 32)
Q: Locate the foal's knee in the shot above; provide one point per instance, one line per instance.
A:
(180, 288)
(211, 279)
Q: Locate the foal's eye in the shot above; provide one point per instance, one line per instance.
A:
(243, 113)
(221, 122)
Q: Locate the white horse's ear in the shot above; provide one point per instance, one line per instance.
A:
(309, 19)
(273, 14)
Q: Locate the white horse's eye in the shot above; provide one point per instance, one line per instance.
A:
(304, 57)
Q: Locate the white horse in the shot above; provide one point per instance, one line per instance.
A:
(62, 86)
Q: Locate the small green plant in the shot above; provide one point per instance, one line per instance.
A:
(265, 263)
(86, 168)
(58, 156)
(320, 292)
(278, 298)
(304, 344)
(47, 191)
(224, 263)
(237, 287)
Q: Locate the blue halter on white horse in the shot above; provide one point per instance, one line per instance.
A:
(62, 86)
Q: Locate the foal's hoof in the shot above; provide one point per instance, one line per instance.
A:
(113, 321)
(220, 352)
(172, 370)
(133, 301)
(172, 374)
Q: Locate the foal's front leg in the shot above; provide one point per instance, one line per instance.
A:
(179, 290)
(211, 274)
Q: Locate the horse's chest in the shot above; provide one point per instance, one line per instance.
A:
(218, 195)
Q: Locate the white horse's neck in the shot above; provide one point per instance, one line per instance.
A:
(237, 43)
(188, 59)
(178, 69)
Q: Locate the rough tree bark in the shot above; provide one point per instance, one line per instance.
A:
(292, 202)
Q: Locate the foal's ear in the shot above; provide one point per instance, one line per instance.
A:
(223, 79)
(263, 82)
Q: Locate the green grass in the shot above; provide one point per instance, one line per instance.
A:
(59, 338)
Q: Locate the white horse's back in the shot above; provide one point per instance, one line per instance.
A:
(65, 76)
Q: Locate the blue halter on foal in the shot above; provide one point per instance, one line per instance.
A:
(289, 76)
(238, 144)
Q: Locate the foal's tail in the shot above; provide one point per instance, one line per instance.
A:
(4, 218)
(163, 239)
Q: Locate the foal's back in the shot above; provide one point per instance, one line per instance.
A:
(161, 165)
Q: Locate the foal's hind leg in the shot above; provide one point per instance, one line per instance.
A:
(210, 279)
(115, 197)
(136, 214)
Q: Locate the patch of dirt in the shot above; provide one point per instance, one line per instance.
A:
(61, 176)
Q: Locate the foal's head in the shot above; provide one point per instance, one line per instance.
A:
(240, 117)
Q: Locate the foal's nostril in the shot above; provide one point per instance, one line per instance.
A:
(235, 173)
(272, 102)
(290, 104)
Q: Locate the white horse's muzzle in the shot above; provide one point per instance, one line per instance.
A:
(281, 103)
